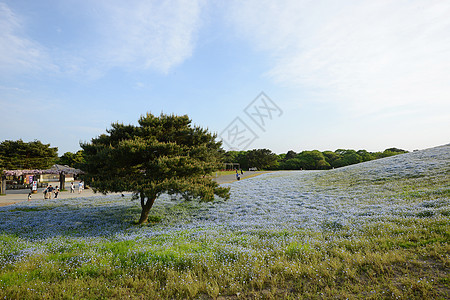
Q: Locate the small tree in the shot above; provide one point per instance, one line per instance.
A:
(163, 154)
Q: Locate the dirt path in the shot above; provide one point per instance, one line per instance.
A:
(15, 196)
(232, 177)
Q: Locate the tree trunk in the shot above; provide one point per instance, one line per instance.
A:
(2, 184)
(62, 181)
(146, 206)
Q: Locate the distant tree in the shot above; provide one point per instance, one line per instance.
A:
(331, 157)
(237, 157)
(347, 157)
(313, 160)
(281, 157)
(230, 156)
(290, 154)
(18, 154)
(396, 150)
(164, 154)
(74, 160)
(365, 155)
(263, 159)
(291, 164)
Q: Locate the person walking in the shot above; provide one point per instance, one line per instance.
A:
(72, 188)
(80, 187)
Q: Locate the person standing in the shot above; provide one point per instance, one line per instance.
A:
(72, 188)
(56, 192)
(50, 191)
(80, 187)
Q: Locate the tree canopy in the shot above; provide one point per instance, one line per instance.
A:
(15, 155)
(316, 160)
(306, 160)
(74, 160)
(262, 159)
(164, 154)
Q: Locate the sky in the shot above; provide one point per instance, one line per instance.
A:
(283, 75)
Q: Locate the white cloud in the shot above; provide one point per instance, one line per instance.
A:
(18, 53)
(103, 35)
(146, 34)
(365, 54)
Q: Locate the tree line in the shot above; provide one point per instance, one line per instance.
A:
(36, 155)
(20, 155)
(265, 159)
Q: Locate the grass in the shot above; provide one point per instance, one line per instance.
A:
(380, 262)
(393, 244)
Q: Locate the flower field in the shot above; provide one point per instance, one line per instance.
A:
(377, 230)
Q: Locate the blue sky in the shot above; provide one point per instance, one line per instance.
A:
(342, 74)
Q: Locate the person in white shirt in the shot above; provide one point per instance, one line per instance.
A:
(80, 187)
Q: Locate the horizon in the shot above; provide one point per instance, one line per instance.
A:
(289, 75)
(297, 151)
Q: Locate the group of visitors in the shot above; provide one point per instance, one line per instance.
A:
(51, 192)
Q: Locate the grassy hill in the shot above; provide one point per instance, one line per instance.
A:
(376, 230)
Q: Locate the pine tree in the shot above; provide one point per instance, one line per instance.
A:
(164, 154)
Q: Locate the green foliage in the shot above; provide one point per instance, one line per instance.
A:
(74, 160)
(237, 157)
(393, 151)
(313, 160)
(163, 154)
(365, 155)
(16, 155)
(263, 159)
(316, 160)
(306, 160)
(291, 164)
(347, 157)
(290, 154)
